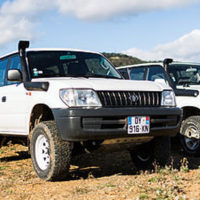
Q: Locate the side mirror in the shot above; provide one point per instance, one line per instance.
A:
(14, 75)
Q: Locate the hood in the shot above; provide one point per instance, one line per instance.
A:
(100, 84)
(191, 87)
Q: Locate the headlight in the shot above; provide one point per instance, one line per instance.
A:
(79, 98)
(168, 98)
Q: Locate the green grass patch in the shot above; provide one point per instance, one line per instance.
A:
(2, 167)
(143, 196)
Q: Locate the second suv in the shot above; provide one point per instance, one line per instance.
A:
(184, 78)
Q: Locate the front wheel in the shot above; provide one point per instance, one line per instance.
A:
(189, 129)
(158, 150)
(50, 155)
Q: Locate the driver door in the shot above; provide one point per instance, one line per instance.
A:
(14, 103)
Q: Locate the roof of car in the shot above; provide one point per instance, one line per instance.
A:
(157, 63)
(138, 65)
(50, 49)
(186, 63)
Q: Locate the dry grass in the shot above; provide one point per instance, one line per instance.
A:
(99, 175)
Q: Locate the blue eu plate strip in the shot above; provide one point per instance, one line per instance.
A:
(129, 120)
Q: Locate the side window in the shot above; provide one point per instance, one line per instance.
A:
(3, 69)
(14, 64)
(124, 73)
(137, 73)
(156, 72)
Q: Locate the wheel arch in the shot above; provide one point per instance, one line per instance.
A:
(39, 113)
(190, 111)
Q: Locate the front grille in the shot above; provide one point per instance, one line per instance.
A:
(129, 98)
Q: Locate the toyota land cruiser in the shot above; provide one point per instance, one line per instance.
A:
(58, 97)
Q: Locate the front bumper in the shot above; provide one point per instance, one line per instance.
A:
(81, 124)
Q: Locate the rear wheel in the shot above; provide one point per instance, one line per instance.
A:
(50, 155)
(158, 150)
(189, 128)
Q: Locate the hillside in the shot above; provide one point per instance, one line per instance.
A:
(121, 59)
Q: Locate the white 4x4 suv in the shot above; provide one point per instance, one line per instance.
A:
(57, 97)
(184, 78)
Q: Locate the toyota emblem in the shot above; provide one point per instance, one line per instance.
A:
(134, 98)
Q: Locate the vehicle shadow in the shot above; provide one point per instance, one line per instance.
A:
(102, 163)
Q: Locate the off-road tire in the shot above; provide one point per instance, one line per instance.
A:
(193, 121)
(59, 152)
(156, 151)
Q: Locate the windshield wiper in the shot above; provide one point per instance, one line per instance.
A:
(100, 76)
(78, 75)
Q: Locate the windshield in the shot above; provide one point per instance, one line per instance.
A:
(69, 64)
(184, 74)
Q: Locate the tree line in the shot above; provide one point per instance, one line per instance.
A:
(118, 59)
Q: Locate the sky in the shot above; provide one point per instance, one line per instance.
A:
(147, 29)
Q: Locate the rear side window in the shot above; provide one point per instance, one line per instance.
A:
(137, 73)
(124, 73)
(15, 63)
(3, 69)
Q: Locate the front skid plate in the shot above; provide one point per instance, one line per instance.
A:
(136, 140)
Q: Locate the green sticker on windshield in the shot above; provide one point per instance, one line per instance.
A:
(67, 57)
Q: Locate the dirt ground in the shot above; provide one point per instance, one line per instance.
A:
(99, 175)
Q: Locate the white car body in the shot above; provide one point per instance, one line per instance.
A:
(22, 102)
(15, 112)
(63, 99)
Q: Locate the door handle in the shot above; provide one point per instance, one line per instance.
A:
(3, 99)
